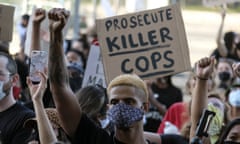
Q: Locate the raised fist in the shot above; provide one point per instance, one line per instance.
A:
(57, 19)
(204, 68)
(39, 15)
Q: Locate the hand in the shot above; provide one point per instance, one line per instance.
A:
(223, 12)
(204, 68)
(37, 90)
(57, 19)
(39, 15)
(236, 69)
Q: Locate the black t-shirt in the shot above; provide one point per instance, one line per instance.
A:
(167, 96)
(11, 124)
(173, 139)
(88, 133)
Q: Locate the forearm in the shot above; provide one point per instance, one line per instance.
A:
(220, 43)
(161, 108)
(58, 74)
(46, 132)
(66, 102)
(199, 102)
(35, 41)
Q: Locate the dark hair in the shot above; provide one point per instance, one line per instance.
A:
(80, 54)
(228, 129)
(11, 64)
(93, 100)
(225, 60)
(229, 39)
(167, 78)
(25, 17)
(4, 46)
(238, 46)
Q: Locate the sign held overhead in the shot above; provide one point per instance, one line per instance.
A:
(149, 43)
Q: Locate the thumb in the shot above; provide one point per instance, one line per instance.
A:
(212, 61)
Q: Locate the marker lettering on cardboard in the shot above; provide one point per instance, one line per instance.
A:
(139, 20)
(150, 43)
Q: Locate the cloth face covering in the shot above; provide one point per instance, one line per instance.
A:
(2, 93)
(123, 115)
(234, 98)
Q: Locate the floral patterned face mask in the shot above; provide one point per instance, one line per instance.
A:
(123, 115)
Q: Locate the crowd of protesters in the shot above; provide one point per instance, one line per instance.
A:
(129, 110)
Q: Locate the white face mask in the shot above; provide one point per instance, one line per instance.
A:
(104, 122)
(234, 98)
(2, 93)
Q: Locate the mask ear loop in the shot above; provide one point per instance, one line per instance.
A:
(144, 105)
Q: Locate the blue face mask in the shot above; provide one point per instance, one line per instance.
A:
(123, 115)
(234, 98)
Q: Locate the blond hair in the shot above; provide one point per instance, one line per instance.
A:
(129, 80)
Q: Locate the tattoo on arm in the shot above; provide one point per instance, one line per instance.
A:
(58, 73)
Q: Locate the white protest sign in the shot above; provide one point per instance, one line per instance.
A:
(44, 35)
(210, 3)
(149, 43)
(6, 22)
(94, 73)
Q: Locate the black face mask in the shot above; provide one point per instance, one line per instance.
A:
(231, 142)
(224, 76)
(75, 83)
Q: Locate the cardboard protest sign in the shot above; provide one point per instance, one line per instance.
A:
(94, 73)
(149, 43)
(6, 22)
(210, 3)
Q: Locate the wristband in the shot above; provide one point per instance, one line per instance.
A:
(200, 78)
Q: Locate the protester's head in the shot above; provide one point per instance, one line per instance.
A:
(238, 49)
(93, 101)
(128, 99)
(77, 45)
(76, 73)
(75, 56)
(224, 72)
(55, 123)
(164, 82)
(25, 20)
(230, 39)
(233, 99)
(234, 96)
(4, 47)
(82, 45)
(231, 133)
(8, 74)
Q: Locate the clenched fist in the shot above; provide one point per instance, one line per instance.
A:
(57, 19)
